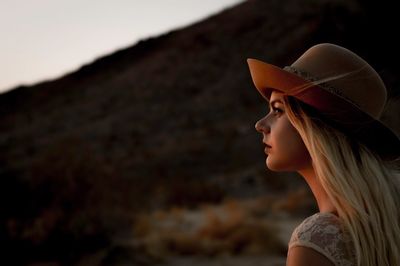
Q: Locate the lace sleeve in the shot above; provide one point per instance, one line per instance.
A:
(323, 233)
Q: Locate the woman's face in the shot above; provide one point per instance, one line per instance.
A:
(287, 151)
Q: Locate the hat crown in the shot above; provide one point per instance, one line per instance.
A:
(347, 72)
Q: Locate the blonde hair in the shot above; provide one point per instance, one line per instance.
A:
(364, 189)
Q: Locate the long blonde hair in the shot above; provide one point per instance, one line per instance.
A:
(364, 188)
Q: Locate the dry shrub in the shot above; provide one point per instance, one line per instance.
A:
(240, 231)
(218, 227)
(261, 206)
(142, 226)
(255, 237)
(180, 242)
(229, 228)
(296, 202)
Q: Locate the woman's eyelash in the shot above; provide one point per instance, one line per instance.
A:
(276, 109)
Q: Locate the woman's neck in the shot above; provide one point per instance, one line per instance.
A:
(323, 201)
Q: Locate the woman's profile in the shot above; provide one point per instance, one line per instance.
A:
(324, 124)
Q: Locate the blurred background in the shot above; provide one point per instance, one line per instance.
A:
(147, 155)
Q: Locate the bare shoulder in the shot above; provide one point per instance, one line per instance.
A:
(304, 256)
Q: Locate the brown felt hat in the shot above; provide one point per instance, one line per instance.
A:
(341, 86)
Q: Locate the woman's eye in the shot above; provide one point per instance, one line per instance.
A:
(276, 110)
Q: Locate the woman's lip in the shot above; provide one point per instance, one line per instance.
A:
(268, 146)
(267, 149)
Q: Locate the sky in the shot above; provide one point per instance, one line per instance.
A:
(45, 39)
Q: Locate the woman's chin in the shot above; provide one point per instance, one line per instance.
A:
(274, 166)
(270, 165)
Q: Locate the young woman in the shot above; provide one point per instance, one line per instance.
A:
(324, 124)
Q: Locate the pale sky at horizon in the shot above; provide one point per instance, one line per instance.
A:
(45, 39)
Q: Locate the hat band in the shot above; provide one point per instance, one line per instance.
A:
(309, 77)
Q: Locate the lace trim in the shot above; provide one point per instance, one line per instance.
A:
(315, 247)
(323, 233)
(307, 76)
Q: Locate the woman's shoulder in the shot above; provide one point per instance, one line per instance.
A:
(325, 233)
(318, 223)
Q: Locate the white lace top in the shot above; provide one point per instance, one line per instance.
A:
(324, 233)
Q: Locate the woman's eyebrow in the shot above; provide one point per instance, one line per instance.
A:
(274, 101)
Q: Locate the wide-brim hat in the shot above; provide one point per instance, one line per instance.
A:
(340, 86)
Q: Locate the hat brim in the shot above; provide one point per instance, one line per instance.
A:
(267, 77)
(380, 138)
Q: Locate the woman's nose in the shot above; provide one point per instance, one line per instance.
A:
(262, 125)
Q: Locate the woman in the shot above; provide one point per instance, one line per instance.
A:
(324, 124)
